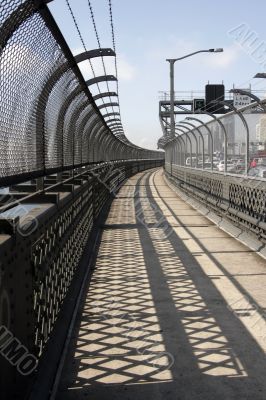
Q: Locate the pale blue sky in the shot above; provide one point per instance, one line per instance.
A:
(149, 31)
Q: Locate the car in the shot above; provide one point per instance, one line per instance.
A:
(208, 165)
(240, 166)
(230, 166)
(234, 160)
(193, 159)
(215, 161)
(261, 161)
(259, 171)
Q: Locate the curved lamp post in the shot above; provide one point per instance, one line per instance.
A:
(210, 135)
(222, 127)
(190, 143)
(199, 132)
(196, 142)
(233, 108)
(179, 137)
(224, 132)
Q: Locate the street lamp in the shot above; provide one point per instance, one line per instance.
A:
(260, 75)
(172, 90)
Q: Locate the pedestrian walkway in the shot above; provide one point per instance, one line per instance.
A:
(174, 308)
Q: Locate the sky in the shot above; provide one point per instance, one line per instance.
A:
(149, 31)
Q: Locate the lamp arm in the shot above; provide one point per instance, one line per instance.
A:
(188, 55)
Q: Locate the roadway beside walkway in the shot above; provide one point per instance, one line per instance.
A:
(174, 308)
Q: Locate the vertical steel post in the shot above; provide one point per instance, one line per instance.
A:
(172, 98)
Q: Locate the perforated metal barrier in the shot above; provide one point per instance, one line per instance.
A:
(40, 255)
(237, 198)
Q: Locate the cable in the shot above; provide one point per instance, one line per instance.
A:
(83, 43)
(122, 136)
(114, 47)
(99, 45)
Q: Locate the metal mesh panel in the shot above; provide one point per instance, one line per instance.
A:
(79, 137)
(87, 144)
(36, 82)
(53, 137)
(42, 95)
(73, 111)
(24, 63)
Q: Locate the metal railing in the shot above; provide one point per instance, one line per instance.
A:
(236, 198)
(244, 126)
(43, 235)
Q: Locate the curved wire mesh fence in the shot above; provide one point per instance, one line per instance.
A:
(227, 143)
(45, 105)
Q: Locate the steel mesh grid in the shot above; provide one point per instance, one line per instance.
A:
(7, 7)
(87, 139)
(84, 127)
(53, 137)
(26, 60)
(42, 94)
(71, 114)
(79, 135)
(75, 133)
(37, 99)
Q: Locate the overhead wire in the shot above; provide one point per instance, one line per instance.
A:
(83, 43)
(114, 47)
(121, 135)
(99, 45)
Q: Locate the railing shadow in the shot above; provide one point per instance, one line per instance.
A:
(152, 323)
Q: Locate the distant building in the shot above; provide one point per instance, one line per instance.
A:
(261, 130)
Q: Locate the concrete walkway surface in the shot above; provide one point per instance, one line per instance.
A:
(174, 309)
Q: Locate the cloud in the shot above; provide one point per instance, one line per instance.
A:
(223, 60)
(126, 71)
(171, 48)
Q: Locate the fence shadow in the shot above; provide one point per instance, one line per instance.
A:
(152, 322)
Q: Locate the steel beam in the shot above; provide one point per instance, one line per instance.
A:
(115, 124)
(105, 105)
(86, 55)
(104, 94)
(102, 78)
(113, 120)
(110, 114)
